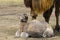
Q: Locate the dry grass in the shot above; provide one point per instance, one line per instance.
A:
(11, 2)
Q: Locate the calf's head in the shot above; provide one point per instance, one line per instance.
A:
(23, 18)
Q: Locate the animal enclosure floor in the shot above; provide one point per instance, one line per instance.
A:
(9, 23)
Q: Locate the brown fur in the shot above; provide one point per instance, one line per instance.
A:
(40, 6)
(28, 3)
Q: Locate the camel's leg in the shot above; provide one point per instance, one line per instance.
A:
(47, 14)
(33, 14)
(20, 30)
(57, 28)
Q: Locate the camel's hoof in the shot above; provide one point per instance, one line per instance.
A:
(57, 28)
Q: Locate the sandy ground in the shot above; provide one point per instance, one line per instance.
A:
(9, 23)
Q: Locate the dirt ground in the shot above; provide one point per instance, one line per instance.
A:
(9, 22)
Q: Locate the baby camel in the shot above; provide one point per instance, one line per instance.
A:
(35, 28)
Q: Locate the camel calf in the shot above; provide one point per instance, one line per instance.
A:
(34, 28)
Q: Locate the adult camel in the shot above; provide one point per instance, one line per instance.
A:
(45, 6)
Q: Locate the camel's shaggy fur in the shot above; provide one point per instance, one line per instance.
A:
(28, 3)
(39, 5)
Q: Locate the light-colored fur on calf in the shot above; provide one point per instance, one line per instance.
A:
(40, 27)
